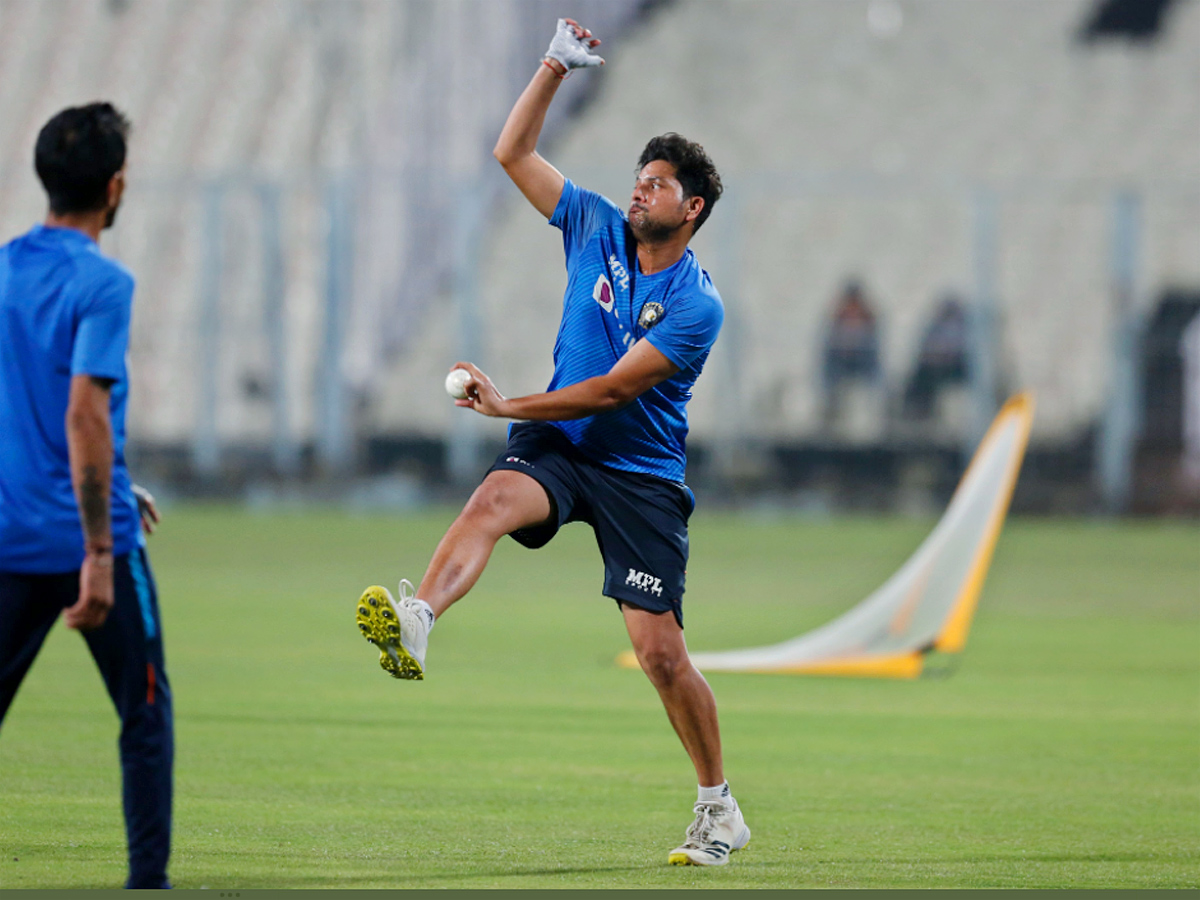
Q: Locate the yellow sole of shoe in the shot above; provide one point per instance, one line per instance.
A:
(377, 623)
(682, 859)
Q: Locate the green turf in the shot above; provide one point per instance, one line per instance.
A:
(1065, 751)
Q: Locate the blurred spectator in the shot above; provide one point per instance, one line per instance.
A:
(1132, 20)
(941, 359)
(1167, 460)
(851, 345)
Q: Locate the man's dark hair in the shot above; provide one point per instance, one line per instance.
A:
(77, 154)
(693, 168)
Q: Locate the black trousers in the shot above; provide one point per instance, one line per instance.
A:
(128, 650)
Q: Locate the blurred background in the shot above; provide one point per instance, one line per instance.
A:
(930, 205)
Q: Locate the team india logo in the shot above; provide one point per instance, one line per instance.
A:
(602, 293)
(644, 582)
(651, 313)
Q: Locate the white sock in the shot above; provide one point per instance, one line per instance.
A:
(425, 610)
(719, 793)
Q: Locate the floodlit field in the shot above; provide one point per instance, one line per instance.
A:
(1064, 752)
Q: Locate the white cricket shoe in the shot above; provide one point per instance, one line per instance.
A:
(719, 829)
(398, 628)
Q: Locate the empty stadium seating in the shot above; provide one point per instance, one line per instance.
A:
(854, 137)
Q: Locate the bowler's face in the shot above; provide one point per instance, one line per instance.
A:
(657, 202)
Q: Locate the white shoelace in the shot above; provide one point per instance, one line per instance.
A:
(706, 815)
(406, 591)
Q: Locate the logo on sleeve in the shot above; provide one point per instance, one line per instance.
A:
(602, 293)
(651, 313)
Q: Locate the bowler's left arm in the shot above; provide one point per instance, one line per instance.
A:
(643, 367)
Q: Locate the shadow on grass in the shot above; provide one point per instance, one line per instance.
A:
(812, 867)
(582, 870)
(382, 877)
(307, 721)
(996, 858)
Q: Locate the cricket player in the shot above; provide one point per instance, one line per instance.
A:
(70, 523)
(605, 443)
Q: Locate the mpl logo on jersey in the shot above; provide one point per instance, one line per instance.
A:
(618, 271)
(602, 293)
(644, 581)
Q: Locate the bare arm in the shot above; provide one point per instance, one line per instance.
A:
(90, 446)
(636, 372)
(516, 148)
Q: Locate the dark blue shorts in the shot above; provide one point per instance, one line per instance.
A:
(640, 521)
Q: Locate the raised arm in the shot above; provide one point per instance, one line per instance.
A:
(516, 148)
(90, 447)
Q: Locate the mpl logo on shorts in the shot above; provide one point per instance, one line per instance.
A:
(644, 582)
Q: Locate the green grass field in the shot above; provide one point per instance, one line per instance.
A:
(1064, 752)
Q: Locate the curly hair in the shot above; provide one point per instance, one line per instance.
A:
(77, 153)
(693, 168)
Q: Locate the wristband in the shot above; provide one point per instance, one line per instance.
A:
(563, 76)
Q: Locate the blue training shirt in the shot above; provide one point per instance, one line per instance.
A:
(608, 306)
(64, 311)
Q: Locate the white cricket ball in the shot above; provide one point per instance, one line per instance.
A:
(456, 383)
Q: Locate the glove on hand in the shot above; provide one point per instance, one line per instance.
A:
(571, 46)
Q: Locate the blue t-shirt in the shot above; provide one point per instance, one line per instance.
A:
(64, 311)
(609, 305)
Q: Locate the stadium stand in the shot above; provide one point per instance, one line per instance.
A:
(867, 142)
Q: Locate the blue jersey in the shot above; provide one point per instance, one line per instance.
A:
(64, 311)
(609, 305)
